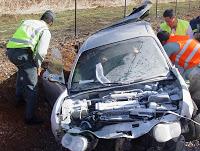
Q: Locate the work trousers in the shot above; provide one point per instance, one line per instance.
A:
(27, 78)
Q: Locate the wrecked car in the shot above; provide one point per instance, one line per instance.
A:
(122, 86)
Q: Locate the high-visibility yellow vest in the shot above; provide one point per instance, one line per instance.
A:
(181, 29)
(28, 35)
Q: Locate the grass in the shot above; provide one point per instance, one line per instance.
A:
(88, 20)
(182, 7)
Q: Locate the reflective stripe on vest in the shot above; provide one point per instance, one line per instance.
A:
(183, 50)
(21, 41)
(189, 54)
(26, 36)
(29, 42)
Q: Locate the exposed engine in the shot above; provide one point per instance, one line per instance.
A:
(143, 103)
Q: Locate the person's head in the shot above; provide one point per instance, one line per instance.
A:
(163, 36)
(170, 18)
(197, 36)
(48, 17)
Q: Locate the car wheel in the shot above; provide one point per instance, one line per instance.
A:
(177, 144)
(194, 129)
(123, 144)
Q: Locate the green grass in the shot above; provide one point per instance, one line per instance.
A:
(88, 20)
(182, 8)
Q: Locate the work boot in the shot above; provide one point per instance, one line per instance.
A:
(34, 121)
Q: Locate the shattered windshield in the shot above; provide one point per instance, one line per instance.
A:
(120, 62)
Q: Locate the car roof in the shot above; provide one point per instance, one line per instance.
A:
(118, 32)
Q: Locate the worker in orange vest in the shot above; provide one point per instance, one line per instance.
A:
(185, 54)
(182, 51)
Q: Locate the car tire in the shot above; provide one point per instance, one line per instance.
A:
(123, 144)
(194, 129)
(177, 144)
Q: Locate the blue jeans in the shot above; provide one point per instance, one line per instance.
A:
(27, 78)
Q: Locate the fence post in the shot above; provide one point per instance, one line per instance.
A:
(124, 8)
(176, 7)
(199, 3)
(189, 4)
(75, 18)
(156, 8)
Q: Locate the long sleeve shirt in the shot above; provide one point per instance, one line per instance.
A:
(42, 47)
(189, 31)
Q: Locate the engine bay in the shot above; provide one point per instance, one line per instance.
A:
(141, 102)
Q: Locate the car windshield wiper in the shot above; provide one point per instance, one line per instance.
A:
(85, 86)
(151, 78)
(97, 82)
(138, 80)
(110, 84)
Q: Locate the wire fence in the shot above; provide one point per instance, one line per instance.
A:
(107, 15)
(179, 7)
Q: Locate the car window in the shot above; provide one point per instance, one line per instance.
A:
(124, 62)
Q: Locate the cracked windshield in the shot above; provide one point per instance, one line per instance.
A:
(118, 63)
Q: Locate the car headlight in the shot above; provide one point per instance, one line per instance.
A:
(163, 132)
(74, 143)
(54, 115)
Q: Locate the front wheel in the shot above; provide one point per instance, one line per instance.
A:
(194, 129)
(123, 144)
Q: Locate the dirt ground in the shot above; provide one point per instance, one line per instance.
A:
(14, 134)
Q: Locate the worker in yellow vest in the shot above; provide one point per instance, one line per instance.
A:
(174, 25)
(185, 54)
(27, 49)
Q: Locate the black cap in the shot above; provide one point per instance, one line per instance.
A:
(48, 16)
(163, 36)
(168, 13)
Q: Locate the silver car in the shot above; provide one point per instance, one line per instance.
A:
(122, 87)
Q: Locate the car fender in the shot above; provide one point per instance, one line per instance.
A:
(55, 113)
(187, 106)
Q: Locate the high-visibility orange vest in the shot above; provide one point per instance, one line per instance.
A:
(189, 54)
(175, 38)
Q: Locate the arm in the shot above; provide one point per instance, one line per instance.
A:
(42, 47)
(190, 32)
(171, 48)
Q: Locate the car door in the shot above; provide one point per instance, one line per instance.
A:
(53, 79)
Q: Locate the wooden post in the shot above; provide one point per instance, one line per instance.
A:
(156, 8)
(176, 7)
(124, 8)
(189, 4)
(199, 3)
(75, 19)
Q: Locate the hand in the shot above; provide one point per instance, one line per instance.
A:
(39, 71)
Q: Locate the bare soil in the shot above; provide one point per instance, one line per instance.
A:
(14, 134)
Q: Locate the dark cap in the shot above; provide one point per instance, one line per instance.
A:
(48, 16)
(168, 13)
(163, 36)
